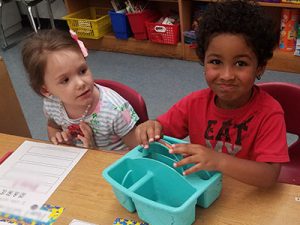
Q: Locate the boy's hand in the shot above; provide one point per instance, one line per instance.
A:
(147, 132)
(87, 137)
(204, 158)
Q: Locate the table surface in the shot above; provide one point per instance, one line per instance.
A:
(86, 196)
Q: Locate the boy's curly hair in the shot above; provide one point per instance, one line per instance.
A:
(241, 17)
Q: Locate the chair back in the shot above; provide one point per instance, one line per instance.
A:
(131, 95)
(288, 95)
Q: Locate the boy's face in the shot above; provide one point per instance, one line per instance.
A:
(68, 77)
(230, 70)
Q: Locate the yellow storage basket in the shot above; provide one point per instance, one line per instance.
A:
(92, 22)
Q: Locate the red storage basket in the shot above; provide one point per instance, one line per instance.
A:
(163, 33)
(137, 22)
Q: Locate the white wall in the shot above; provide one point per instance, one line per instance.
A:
(58, 8)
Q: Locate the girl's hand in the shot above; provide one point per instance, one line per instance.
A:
(147, 132)
(87, 138)
(204, 158)
(61, 137)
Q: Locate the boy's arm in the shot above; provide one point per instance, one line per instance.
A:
(259, 174)
(147, 132)
(130, 139)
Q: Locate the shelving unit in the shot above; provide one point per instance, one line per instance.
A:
(281, 61)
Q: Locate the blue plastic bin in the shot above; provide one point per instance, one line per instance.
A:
(120, 25)
(144, 180)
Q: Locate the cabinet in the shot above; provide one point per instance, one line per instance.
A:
(281, 61)
(11, 114)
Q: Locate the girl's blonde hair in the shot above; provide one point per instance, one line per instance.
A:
(36, 49)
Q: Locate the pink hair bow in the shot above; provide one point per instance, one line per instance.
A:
(80, 43)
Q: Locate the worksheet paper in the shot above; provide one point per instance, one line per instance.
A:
(32, 173)
(5, 223)
(79, 222)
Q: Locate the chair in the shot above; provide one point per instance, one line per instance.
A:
(131, 95)
(33, 4)
(29, 4)
(288, 95)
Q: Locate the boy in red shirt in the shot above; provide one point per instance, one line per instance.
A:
(234, 126)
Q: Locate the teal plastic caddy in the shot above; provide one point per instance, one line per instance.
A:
(144, 180)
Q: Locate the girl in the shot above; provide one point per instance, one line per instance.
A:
(234, 127)
(79, 112)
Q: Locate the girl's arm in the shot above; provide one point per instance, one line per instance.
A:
(56, 135)
(52, 128)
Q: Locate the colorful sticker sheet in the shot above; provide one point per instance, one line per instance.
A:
(55, 212)
(121, 221)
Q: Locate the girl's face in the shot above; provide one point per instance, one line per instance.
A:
(230, 70)
(68, 77)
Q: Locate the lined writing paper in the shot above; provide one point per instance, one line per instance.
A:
(32, 173)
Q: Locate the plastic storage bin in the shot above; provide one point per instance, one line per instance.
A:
(163, 33)
(144, 180)
(120, 25)
(137, 23)
(92, 22)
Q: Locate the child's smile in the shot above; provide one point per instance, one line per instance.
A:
(230, 70)
(227, 87)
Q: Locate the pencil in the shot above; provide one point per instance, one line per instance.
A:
(6, 155)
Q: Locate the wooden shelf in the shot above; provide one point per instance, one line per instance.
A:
(280, 5)
(163, 1)
(268, 4)
(281, 61)
(190, 53)
(284, 61)
(132, 46)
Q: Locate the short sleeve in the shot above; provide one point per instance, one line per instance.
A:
(271, 143)
(46, 113)
(125, 119)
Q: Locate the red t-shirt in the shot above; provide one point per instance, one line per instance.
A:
(255, 131)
